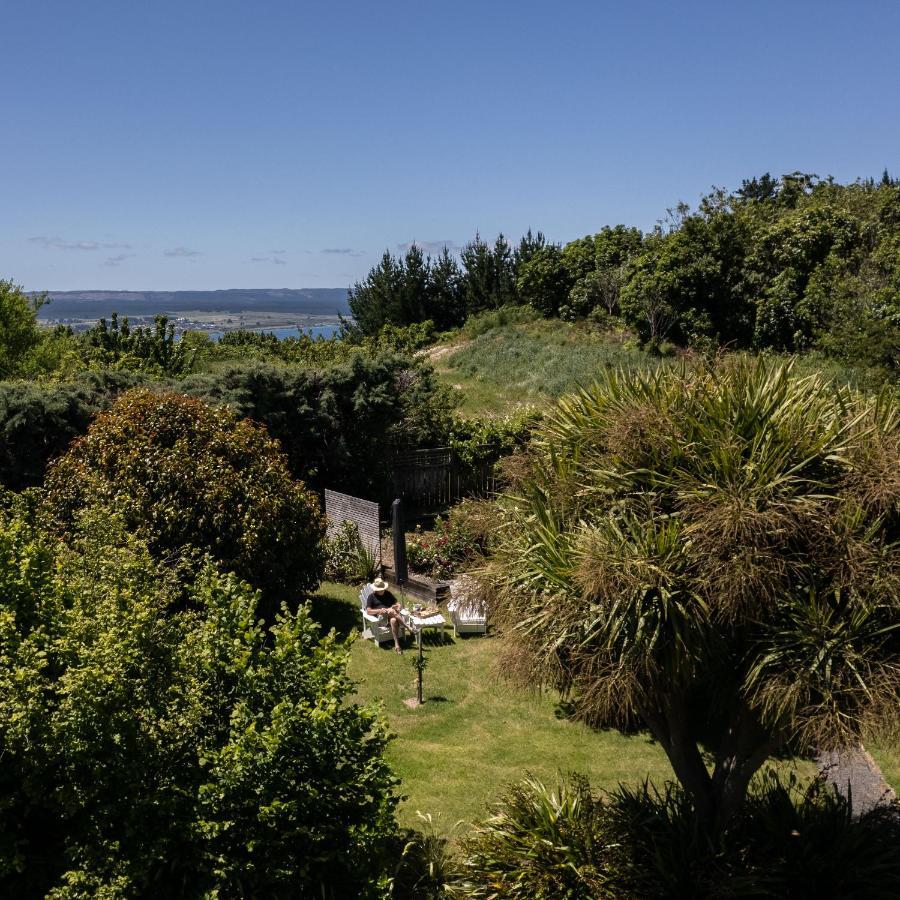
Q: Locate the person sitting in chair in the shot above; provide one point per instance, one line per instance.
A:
(384, 604)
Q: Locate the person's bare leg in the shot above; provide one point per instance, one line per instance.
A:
(395, 630)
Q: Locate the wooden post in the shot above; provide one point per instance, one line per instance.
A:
(419, 668)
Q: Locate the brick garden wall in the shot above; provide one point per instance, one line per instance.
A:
(364, 513)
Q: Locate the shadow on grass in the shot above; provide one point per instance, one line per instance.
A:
(435, 638)
(566, 711)
(332, 612)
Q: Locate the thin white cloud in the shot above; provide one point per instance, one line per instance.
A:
(342, 251)
(272, 260)
(181, 252)
(429, 247)
(118, 259)
(57, 243)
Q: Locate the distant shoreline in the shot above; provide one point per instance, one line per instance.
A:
(194, 320)
(225, 310)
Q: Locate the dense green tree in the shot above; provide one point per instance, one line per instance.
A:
(598, 267)
(445, 305)
(155, 350)
(340, 427)
(712, 553)
(759, 189)
(38, 422)
(189, 478)
(615, 246)
(407, 290)
(156, 740)
(529, 245)
(579, 258)
(798, 259)
(376, 301)
(489, 275)
(544, 281)
(19, 333)
(416, 279)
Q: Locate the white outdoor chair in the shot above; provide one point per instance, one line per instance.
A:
(375, 627)
(468, 618)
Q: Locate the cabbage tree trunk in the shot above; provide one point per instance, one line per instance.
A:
(742, 749)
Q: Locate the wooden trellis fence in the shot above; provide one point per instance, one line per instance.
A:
(435, 478)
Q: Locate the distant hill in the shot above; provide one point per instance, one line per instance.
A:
(94, 304)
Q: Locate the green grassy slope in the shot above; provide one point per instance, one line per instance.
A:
(502, 361)
(530, 362)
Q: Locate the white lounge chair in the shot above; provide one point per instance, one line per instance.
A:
(375, 627)
(467, 618)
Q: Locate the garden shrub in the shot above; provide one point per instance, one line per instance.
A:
(19, 333)
(427, 864)
(341, 426)
(144, 349)
(448, 548)
(38, 422)
(189, 478)
(640, 842)
(156, 747)
(539, 843)
(477, 441)
(346, 558)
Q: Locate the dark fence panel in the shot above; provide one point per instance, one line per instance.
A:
(433, 479)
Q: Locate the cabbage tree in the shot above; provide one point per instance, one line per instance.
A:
(711, 553)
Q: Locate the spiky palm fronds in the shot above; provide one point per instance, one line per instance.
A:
(672, 532)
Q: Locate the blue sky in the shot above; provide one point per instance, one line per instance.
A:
(165, 145)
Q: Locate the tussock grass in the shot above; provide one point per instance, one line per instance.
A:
(510, 358)
(524, 362)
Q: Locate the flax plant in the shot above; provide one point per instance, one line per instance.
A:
(710, 552)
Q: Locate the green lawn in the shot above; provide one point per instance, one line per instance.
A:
(475, 733)
(888, 758)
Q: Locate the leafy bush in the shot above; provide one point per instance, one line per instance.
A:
(19, 333)
(805, 842)
(491, 319)
(37, 423)
(642, 843)
(339, 427)
(539, 843)
(347, 559)
(119, 346)
(477, 441)
(190, 479)
(153, 746)
(426, 868)
(321, 352)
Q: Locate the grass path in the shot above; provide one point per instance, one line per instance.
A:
(476, 733)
